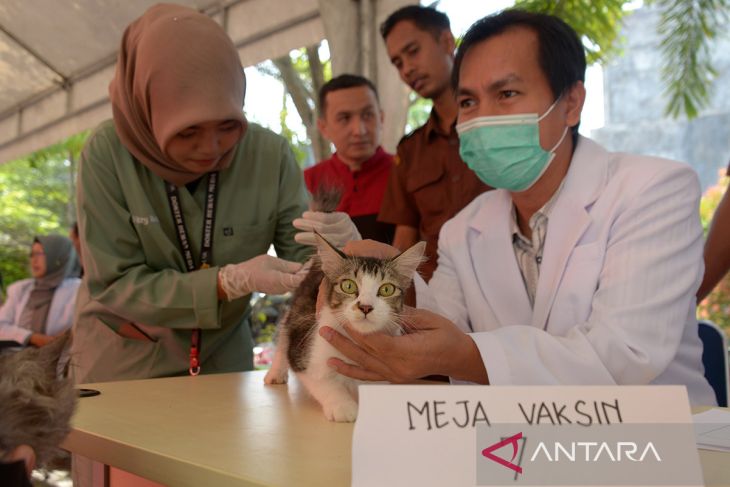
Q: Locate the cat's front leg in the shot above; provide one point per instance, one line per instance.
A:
(334, 397)
(341, 411)
(279, 371)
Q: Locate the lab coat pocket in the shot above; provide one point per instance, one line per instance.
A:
(580, 281)
(120, 358)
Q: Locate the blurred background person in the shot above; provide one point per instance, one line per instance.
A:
(41, 307)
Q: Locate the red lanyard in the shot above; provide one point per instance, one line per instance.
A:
(195, 351)
(206, 247)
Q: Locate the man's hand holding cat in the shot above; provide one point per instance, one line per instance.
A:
(336, 227)
(433, 345)
(263, 273)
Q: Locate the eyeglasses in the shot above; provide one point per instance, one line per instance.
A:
(37, 254)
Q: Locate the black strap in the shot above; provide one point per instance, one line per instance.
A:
(206, 247)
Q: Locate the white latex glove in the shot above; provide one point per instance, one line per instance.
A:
(336, 227)
(264, 273)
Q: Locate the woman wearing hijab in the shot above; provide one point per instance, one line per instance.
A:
(40, 308)
(179, 200)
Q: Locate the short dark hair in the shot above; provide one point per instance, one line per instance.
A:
(425, 18)
(342, 82)
(561, 54)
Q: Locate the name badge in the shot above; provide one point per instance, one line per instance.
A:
(438, 435)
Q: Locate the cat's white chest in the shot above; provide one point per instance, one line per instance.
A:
(335, 392)
(322, 350)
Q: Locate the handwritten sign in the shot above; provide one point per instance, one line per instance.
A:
(448, 435)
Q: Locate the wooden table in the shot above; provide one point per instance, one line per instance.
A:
(230, 429)
(213, 430)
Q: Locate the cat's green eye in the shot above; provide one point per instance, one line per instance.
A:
(386, 290)
(348, 286)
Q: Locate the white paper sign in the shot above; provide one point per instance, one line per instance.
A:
(448, 435)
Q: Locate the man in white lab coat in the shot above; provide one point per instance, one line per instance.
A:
(581, 269)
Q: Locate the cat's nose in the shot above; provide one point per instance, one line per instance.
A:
(365, 308)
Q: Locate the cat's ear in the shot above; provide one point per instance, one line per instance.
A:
(407, 262)
(330, 256)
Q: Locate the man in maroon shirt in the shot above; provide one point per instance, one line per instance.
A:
(352, 120)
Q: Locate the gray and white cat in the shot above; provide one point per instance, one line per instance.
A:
(367, 292)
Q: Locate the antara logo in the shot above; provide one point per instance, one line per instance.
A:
(593, 451)
(487, 452)
(587, 451)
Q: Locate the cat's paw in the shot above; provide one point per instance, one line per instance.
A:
(341, 412)
(276, 377)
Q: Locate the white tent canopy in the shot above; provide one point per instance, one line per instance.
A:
(57, 57)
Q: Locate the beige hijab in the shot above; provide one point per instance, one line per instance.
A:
(176, 68)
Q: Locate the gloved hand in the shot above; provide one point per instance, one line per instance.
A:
(336, 227)
(264, 273)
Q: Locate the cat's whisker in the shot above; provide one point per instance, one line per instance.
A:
(341, 320)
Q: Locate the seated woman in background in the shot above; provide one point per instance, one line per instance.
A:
(40, 308)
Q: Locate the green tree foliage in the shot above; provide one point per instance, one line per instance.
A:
(418, 111)
(687, 28)
(299, 147)
(597, 22)
(38, 197)
(302, 73)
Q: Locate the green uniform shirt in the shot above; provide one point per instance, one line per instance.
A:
(135, 271)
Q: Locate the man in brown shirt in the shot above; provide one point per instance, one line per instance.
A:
(430, 183)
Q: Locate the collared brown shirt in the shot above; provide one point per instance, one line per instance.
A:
(429, 185)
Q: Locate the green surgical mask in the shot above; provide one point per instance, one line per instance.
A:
(504, 151)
